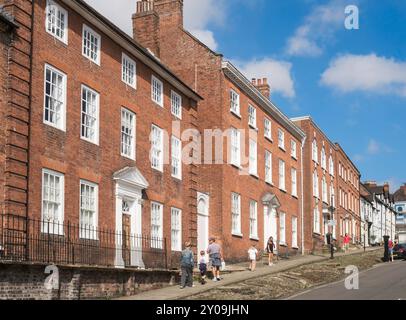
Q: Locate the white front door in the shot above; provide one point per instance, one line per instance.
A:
(202, 222)
(270, 225)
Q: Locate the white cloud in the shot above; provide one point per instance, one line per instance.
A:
(318, 28)
(368, 73)
(277, 72)
(198, 16)
(373, 147)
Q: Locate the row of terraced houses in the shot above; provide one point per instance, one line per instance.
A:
(110, 142)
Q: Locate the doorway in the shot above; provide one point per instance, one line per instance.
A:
(202, 222)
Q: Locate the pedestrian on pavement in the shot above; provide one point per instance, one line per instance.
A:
(216, 256)
(187, 265)
(270, 247)
(390, 246)
(203, 267)
(252, 255)
(346, 242)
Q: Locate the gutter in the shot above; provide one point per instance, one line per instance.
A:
(302, 204)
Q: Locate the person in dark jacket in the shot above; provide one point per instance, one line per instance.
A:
(270, 247)
(187, 264)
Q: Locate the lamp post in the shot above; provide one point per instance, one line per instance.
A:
(332, 209)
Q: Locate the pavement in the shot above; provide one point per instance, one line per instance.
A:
(175, 293)
(385, 281)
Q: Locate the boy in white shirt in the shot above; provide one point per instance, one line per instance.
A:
(252, 255)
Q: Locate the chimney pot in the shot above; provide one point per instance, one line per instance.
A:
(265, 80)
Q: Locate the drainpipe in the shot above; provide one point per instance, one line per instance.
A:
(302, 201)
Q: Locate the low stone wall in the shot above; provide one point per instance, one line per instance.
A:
(27, 282)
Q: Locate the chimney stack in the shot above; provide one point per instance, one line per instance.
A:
(263, 86)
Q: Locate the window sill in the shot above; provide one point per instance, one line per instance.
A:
(253, 127)
(270, 183)
(238, 235)
(96, 143)
(236, 166)
(269, 139)
(127, 157)
(283, 244)
(295, 247)
(283, 190)
(50, 124)
(294, 158)
(254, 175)
(295, 196)
(128, 85)
(316, 233)
(161, 171)
(236, 114)
(177, 178)
(254, 238)
(158, 104)
(282, 148)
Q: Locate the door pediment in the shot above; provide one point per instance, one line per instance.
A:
(132, 177)
(271, 199)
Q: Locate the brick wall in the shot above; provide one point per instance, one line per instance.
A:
(26, 282)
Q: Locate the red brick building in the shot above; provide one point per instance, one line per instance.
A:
(348, 191)
(320, 184)
(251, 189)
(93, 136)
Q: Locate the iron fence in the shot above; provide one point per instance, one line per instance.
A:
(28, 240)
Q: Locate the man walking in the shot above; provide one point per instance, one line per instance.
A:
(187, 265)
(216, 256)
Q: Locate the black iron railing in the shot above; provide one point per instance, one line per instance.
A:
(29, 240)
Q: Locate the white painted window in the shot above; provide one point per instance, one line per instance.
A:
(128, 71)
(176, 105)
(235, 147)
(176, 158)
(56, 22)
(253, 165)
(315, 151)
(268, 167)
(316, 220)
(236, 214)
(332, 195)
(323, 159)
(90, 115)
(176, 229)
(53, 190)
(252, 116)
(253, 219)
(316, 184)
(156, 225)
(128, 120)
(294, 182)
(157, 91)
(294, 232)
(268, 129)
(331, 164)
(281, 139)
(234, 102)
(282, 182)
(55, 98)
(324, 190)
(282, 228)
(157, 146)
(293, 149)
(91, 44)
(88, 210)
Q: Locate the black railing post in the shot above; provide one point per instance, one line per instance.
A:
(166, 254)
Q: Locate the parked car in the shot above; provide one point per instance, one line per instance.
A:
(399, 251)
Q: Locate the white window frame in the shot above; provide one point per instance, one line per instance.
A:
(156, 225)
(323, 158)
(331, 165)
(294, 233)
(97, 36)
(268, 167)
(128, 132)
(235, 103)
(315, 151)
(157, 148)
(52, 225)
(253, 220)
(293, 149)
(58, 10)
(316, 220)
(236, 214)
(235, 145)
(157, 91)
(95, 139)
(268, 129)
(126, 64)
(176, 148)
(176, 104)
(252, 116)
(282, 228)
(294, 182)
(316, 192)
(61, 98)
(281, 139)
(253, 158)
(176, 229)
(282, 175)
(324, 190)
(89, 231)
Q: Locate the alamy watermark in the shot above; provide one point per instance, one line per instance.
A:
(351, 21)
(352, 281)
(52, 281)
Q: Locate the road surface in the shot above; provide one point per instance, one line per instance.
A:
(384, 282)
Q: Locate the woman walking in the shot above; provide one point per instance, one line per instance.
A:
(270, 246)
(216, 256)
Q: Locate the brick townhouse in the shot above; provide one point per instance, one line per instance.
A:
(348, 192)
(320, 184)
(255, 192)
(93, 143)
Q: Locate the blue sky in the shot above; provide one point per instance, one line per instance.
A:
(352, 82)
